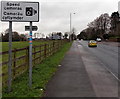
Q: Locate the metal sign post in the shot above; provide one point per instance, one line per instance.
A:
(10, 57)
(30, 56)
(19, 11)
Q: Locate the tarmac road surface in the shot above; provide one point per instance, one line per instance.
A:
(82, 74)
(107, 53)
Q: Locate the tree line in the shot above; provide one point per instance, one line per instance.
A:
(104, 27)
(36, 36)
(15, 36)
(60, 35)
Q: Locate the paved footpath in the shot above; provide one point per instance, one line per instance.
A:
(81, 75)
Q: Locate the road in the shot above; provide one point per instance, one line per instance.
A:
(107, 53)
(86, 72)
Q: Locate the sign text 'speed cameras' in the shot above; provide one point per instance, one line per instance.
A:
(18, 11)
(30, 11)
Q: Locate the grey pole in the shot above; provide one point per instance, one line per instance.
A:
(71, 25)
(10, 57)
(70, 28)
(30, 56)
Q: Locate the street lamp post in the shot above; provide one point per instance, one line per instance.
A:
(70, 26)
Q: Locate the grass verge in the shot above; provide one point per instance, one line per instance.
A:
(42, 73)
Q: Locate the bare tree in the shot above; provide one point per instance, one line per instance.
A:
(101, 25)
(42, 35)
(115, 24)
(66, 35)
(73, 35)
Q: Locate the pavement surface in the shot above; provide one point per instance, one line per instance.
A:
(82, 74)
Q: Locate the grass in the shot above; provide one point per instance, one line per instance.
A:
(18, 45)
(21, 44)
(42, 73)
(4, 57)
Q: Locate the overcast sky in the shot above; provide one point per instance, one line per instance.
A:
(55, 15)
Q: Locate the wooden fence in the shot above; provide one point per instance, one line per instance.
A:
(20, 58)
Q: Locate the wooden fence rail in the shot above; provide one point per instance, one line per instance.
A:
(20, 58)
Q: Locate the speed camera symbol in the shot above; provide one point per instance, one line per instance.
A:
(30, 11)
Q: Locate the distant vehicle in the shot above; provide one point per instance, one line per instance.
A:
(92, 43)
(98, 39)
(81, 39)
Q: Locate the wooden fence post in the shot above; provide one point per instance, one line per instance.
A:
(61, 43)
(34, 54)
(50, 49)
(53, 49)
(40, 54)
(14, 64)
(57, 45)
(45, 50)
(27, 56)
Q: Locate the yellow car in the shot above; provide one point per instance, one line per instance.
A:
(92, 43)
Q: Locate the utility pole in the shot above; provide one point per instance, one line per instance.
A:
(70, 26)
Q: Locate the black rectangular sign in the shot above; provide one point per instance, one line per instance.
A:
(34, 28)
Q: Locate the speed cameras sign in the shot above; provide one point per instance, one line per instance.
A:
(19, 11)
